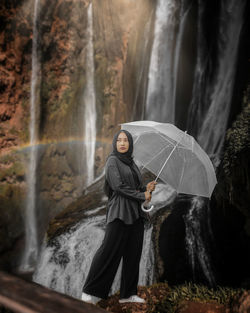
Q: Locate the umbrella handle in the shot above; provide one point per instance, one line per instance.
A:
(146, 210)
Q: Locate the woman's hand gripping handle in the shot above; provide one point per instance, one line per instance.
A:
(148, 194)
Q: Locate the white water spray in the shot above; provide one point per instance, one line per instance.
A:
(90, 103)
(160, 104)
(209, 111)
(196, 246)
(31, 245)
(214, 122)
(64, 265)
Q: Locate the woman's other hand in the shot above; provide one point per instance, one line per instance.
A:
(151, 186)
(147, 196)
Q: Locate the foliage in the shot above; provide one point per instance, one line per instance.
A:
(238, 137)
(197, 293)
(161, 298)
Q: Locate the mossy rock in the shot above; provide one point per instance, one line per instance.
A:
(13, 168)
(67, 186)
(11, 212)
(54, 163)
(60, 114)
(16, 172)
(75, 212)
(238, 137)
(233, 175)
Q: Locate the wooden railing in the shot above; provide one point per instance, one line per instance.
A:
(24, 296)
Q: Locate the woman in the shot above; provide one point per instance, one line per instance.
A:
(124, 231)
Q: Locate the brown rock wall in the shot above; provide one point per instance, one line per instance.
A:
(62, 44)
(15, 47)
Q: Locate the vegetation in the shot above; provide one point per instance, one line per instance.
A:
(237, 138)
(197, 293)
(161, 298)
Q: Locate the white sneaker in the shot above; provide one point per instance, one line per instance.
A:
(134, 298)
(89, 299)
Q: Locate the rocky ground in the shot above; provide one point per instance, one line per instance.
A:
(187, 298)
(162, 298)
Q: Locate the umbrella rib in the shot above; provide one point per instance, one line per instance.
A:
(155, 156)
(169, 156)
(182, 173)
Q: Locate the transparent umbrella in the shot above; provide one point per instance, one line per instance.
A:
(173, 156)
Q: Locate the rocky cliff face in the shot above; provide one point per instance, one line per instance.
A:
(226, 242)
(230, 203)
(121, 57)
(119, 33)
(234, 170)
(15, 42)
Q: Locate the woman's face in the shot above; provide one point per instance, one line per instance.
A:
(122, 143)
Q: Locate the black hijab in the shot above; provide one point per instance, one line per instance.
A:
(127, 156)
(124, 157)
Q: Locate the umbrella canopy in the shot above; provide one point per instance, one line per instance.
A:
(173, 156)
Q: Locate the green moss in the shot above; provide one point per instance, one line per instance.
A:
(104, 80)
(11, 197)
(197, 293)
(8, 158)
(25, 103)
(5, 190)
(14, 131)
(24, 134)
(15, 170)
(161, 298)
(49, 84)
(11, 222)
(238, 137)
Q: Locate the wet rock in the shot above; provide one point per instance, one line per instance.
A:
(76, 211)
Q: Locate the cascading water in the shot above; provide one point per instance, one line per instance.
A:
(31, 245)
(216, 96)
(160, 103)
(64, 264)
(141, 82)
(195, 241)
(211, 98)
(211, 126)
(89, 101)
(184, 10)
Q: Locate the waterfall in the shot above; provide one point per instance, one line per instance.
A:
(216, 96)
(183, 20)
(199, 94)
(209, 111)
(196, 245)
(89, 101)
(64, 263)
(141, 82)
(160, 104)
(31, 245)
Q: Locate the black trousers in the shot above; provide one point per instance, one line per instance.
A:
(120, 241)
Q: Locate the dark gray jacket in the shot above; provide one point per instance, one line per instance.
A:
(125, 201)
